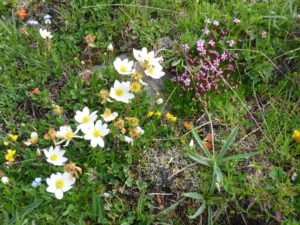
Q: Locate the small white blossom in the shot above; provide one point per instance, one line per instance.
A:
(45, 34)
(110, 47)
(123, 67)
(159, 101)
(85, 118)
(59, 183)
(95, 133)
(121, 91)
(4, 180)
(55, 156)
(108, 115)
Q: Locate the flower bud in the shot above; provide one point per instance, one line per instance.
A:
(159, 101)
(5, 180)
(110, 48)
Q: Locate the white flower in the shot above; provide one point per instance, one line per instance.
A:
(55, 156)
(34, 138)
(59, 183)
(47, 19)
(66, 134)
(121, 91)
(145, 58)
(154, 71)
(128, 139)
(32, 22)
(140, 130)
(45, 34)
(95, 133)
(159, 101)
(216, 23)
(110, 47)
(108, 115)
(123, 67)
(5, 180)
(85, 118)
(192, 145)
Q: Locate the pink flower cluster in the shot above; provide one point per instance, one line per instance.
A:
(210, 64)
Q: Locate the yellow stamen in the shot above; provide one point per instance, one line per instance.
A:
(120, 92)
(69, 135)
(59, 184)
(85, 119)
(54, 157)
(123, 68)
(97, 133)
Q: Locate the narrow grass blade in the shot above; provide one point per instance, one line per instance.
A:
(198, 158)
(199, 211)
(227, 143)
(204, 149)
(98, 208)
(194, 195)
(141, 203)
(239, 157)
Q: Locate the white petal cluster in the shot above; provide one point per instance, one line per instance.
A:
(123, 67)
(121, 91)
(149, 63)
(95, 133)
(85, 118)
(45, 34)
(59, 183)
(55, 156)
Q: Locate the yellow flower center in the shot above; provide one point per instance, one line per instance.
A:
(151, 70)
(69, 135)
(120, 92)
(54, 157)
(97, 133)
(85, 119)
(135, 87)
(107, 113)
(123, 68)
(59, 184)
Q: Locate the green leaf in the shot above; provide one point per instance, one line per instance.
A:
(141, 204)
(209, 216)
(175, 63)
(98, 207)
(171, 207)
(238, 157)
(194, 195)
(199, 141)
(198, 158)
(199, 211)
(227, 143)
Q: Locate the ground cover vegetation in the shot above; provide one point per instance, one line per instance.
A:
(149, 112)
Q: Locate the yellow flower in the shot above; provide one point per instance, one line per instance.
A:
(158, 114)
(171, 117)
(135, 87)
(296, 136)
(10, 155)
(6, 143)
(133, 121)
(150, 113)
(13, 137)
(58, 110)
(9, 158)
(11, 152)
